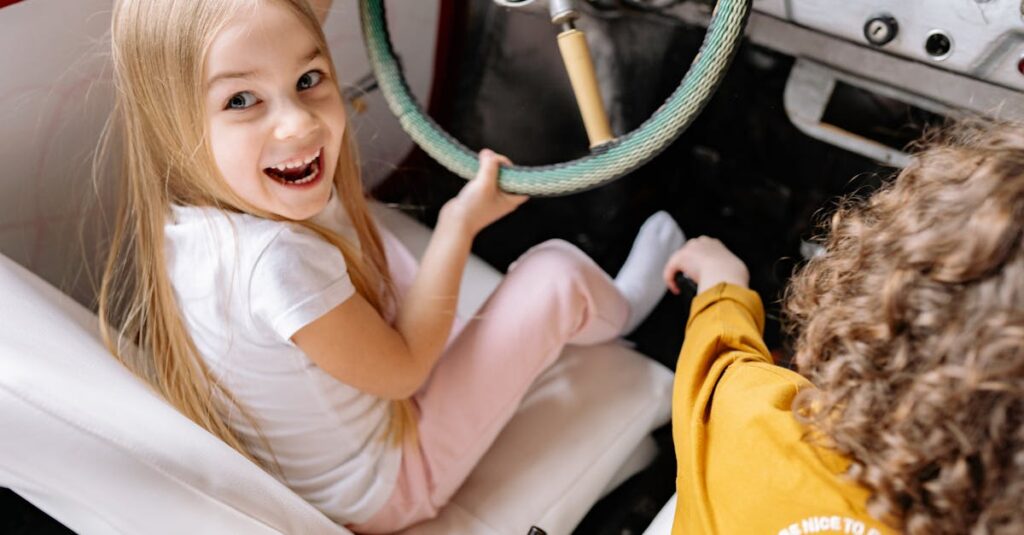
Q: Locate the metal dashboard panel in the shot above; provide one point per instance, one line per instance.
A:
(986, 37)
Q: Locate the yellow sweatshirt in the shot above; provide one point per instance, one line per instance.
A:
(743, 464)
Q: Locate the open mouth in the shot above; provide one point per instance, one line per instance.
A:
(297, 174)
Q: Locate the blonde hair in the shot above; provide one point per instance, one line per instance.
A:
(911, 326)
(159, 53)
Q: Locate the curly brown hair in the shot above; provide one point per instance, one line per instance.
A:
(911, 326)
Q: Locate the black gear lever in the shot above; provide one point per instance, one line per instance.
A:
(687, 287)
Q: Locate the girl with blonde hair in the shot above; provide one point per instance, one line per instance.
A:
(269, 307)
(908, 412)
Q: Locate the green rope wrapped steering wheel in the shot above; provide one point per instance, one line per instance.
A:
(606, 163)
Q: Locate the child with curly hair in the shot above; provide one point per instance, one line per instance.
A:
(907, 414)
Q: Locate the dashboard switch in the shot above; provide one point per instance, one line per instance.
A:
(880, 30)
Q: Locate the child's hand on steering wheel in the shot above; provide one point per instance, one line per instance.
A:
(481, 202)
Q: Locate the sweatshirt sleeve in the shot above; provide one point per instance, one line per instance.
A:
(744, 465)
(725, 328)
(726, 325)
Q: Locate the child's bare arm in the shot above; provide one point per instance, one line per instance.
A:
(355, 345)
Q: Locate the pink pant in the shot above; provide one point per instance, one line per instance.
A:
(552, 296)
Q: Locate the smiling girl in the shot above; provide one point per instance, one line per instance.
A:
(270, 308)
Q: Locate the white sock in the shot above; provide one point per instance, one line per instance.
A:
(639, 280)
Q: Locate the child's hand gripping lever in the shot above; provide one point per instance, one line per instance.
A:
(676, 280)
(702, 263)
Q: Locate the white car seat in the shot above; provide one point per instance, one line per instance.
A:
(95, 448)
(662, 523)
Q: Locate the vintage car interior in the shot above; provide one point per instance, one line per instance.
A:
(744, 119)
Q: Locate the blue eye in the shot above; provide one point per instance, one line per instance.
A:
(310, 80)
(241, 101)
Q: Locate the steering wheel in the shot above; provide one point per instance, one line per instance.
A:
(607, 161)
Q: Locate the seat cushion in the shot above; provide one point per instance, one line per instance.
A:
(583, 419)
(95, 448)
(662, 523)
(98, 450)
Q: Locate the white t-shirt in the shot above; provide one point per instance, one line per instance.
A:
(245, 285)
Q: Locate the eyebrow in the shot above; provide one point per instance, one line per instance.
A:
(249, 74)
